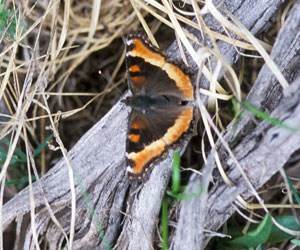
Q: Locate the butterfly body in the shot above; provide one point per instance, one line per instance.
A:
(162, 111)
(142, 103)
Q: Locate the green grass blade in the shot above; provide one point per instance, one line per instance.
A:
(293, 190)
(164, 225)
(266, 117)
(176, 175)
(43, 144)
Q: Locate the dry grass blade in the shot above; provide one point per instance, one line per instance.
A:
(58, 43)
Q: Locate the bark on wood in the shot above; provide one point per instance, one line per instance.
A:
(128, 214)
(262, 149)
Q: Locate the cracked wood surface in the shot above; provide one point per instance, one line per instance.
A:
(259, 158)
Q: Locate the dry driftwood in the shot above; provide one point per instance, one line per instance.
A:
(262, 149)
(99, 167)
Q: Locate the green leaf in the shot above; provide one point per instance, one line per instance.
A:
(8, 22)
(177, 190)
(296, 242)
(5, 20)
(256, 237)
(277, 235)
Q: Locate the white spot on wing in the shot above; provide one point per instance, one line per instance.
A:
(129, 42)
(130, 170)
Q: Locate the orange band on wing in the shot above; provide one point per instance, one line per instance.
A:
(156, 148)
(182, 81)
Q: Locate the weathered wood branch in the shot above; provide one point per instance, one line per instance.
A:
(260, 148)
(99, 167)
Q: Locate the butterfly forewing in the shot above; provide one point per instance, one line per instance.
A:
(150, 73)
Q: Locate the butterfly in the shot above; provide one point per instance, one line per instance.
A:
(162, 114)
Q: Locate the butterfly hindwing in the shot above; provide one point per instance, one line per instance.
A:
(152, 133)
